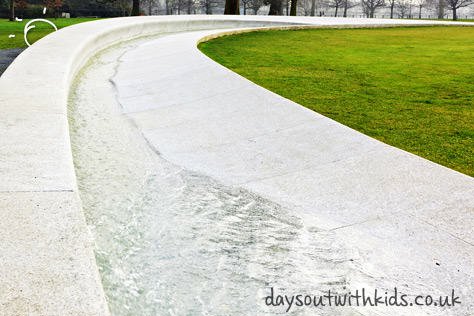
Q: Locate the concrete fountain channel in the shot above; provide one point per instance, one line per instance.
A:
(201, 190)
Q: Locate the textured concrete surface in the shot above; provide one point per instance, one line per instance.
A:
(36, 165)
(46, 266)
(205, 118)
(408, 220)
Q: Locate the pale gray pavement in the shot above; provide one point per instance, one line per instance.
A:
(409, 220)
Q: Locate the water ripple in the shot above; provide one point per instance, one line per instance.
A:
(169, 241)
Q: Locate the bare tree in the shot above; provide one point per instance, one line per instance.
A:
(149, 5)
(179, 6)
(305, 7)
(440, 8)
(276, 7)
(336, 4)
(232, 7)
(245, 5)
(403, 8)
(136, 7)
(309, 7)
(454, 5)
(370, 6)
(255, 5)
(294, 5)
(210, 5)
(12, 10)
(189, 6)
(348, 4)
(313, 7)
(420, 4)
(287, 6)
(391, 5)
(169, 7)
(123, 6)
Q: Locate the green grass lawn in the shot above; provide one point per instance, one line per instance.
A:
(412, 88)
(41, 30)
(451, 20)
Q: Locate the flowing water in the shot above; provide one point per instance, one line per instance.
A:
(169, 241)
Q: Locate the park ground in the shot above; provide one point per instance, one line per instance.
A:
(410, 87)
(42, 29)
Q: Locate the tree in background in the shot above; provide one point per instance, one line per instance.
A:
(54, 5)
(136, 8)
(12, 10)
(305, 7)
(370, 6)
(391, 5)
(246, 4)
(169, 7)
(111, 8)
(124, 7)
(403, 8)
(440, 9)
(420, 4)
(255, 5)
(208, 5)
(336, 4)
(21, 6)
(179, 6)
(190, 6)
(232, 7)
(148, 5)
(313, 8)
(454, 5)
(276, 7)
(437, 6)
(348, 4)
(294, 4)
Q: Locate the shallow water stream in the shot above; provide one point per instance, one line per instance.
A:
(169, 241)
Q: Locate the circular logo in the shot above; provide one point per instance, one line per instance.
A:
(30, 26)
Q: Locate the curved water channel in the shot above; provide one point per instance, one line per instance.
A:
(169, 241)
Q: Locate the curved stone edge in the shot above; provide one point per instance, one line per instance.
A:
(47, 266)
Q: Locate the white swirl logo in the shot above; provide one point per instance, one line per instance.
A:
(30, 26)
